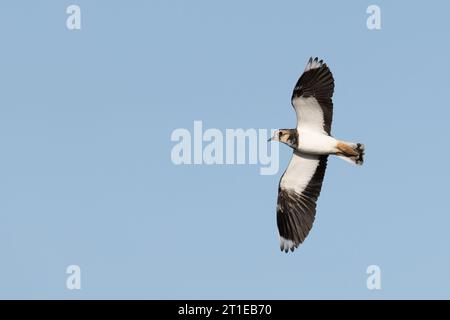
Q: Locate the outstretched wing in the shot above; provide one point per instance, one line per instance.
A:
(311, 98)
(298, 192)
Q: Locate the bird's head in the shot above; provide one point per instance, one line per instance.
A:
(287, 136)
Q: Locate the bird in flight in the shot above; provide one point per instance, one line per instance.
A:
(300, 184)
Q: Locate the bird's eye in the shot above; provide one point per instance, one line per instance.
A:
(280, 134)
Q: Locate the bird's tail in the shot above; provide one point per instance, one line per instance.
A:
(351, 152)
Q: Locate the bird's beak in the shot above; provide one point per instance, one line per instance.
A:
(270, 139)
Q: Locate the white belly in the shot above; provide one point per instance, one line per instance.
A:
(316, 143)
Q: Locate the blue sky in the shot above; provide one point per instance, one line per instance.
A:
(86, 176)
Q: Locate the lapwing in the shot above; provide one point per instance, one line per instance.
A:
(312, 142)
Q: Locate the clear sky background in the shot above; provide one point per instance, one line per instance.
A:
(86, 176)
